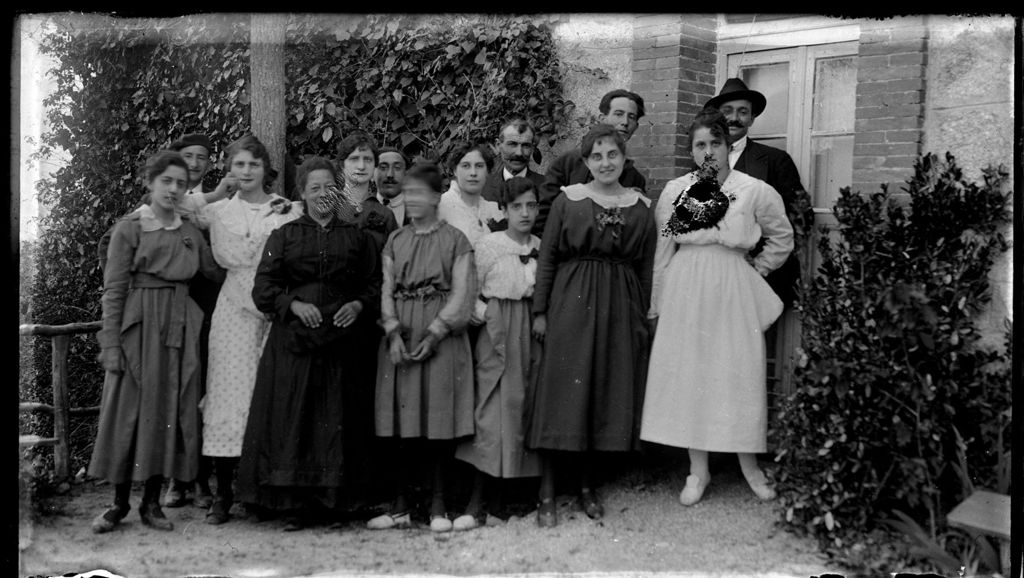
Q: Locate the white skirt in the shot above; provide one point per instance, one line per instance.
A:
(706, 384)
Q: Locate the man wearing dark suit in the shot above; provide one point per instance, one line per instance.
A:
(516, 145)
(741, 106)
(619, 108)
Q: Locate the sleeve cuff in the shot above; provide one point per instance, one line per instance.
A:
(481, 308)
(390, 325)
(438, 328)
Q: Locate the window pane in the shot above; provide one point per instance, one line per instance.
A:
(771, 80)
(835, 94)
(831, 168)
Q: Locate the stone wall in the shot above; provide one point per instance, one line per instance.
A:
(969, 112)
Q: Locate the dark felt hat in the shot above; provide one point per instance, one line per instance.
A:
(193, 139)
(736, 89)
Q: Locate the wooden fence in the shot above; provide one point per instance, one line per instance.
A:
(60, 336)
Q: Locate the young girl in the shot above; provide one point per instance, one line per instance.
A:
(149, 416)
(463, 205)
(425, 375)
(593, 289)
(239, 227)
(318, 275)
(706, 383)
(506, 265)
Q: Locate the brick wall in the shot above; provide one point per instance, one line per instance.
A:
(674, 71)
(890, 102)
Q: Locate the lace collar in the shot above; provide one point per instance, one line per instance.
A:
(581, 191)
(149, 221)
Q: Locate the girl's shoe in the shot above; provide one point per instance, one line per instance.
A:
(218, 513)
(153, 516)
(759, 484)
(547, 513)
(440, 523)
(591, 505)
(693, 491)
(110, 518)
(392, 520)
(467, 522)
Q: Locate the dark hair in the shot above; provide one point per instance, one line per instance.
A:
(253, 145)
(405, 158)
(353, 142)
(513, 188)
(520, 124)
(193, 139)
(601, 131)
(308, 166)
(464, 148)
(713, 120)
(158, 163)
(428, 173)
(606, 101)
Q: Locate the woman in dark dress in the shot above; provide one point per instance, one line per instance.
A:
(318, 276)
(590, 308)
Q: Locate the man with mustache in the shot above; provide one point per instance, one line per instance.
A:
(741, 106)
(516, 145)
(391, 165)
(619, 108)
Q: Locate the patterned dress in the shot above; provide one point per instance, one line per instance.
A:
(594, 285)
(238, 231)
(429, 285)
(505, 354)
(706, 383)
(149, 416)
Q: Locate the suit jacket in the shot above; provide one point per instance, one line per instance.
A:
(776, 168)
(570, 169)
(492, 192)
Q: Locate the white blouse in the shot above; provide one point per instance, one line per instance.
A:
(472, 221)
(502, 274)
(756, 211)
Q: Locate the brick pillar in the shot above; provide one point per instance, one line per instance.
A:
(890, 102)
(674, 71)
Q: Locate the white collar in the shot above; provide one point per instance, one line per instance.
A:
(508, 175)
(149, 221)
(398, 201)
(738, 146)
(198, 189)
(581, 191)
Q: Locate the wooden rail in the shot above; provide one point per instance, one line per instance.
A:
(60, 335)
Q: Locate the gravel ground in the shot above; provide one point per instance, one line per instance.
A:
(645, 530)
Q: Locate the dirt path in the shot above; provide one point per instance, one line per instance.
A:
(645, 529)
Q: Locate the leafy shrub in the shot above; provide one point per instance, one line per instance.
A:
(892, 383)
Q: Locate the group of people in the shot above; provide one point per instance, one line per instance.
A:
(522, 323)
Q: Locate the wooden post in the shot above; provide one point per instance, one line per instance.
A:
(267, 88)
(59, 374)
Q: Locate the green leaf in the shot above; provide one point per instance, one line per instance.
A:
(327, 134)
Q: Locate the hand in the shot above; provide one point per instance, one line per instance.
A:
(424, 349)
(476, 318)
(308, 313)
(110, 359)
(347, 314)
(397, 349)
(540, 326)
(226, 186)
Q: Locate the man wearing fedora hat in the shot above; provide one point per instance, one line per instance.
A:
(741, 106)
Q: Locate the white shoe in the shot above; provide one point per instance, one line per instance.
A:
(760, 486)
(693, 491)
(440, 524)
(388, 521)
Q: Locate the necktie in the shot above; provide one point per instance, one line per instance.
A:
(531, 255)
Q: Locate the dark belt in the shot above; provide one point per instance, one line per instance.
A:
(602, 259)
(176, 329)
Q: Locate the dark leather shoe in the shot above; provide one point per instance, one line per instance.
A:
(202, 498)
(547, 514)
(591, 505)
(218, 513)
(110, 518)
(175, 497)
(153, 516)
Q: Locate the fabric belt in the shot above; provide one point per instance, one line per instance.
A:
(418, 293)
(176, 329)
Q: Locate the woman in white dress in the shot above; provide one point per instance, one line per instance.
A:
(239, 227)
(462, 205)
(706, 381)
